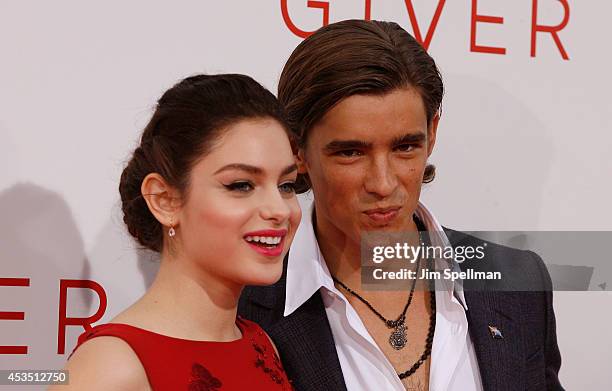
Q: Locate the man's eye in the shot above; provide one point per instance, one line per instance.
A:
(242, 186)
(405, 147)
(287, 187)
(348, 153)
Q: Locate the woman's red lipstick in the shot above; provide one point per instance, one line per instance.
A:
(268, 242)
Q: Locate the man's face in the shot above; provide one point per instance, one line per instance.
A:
(365, 159)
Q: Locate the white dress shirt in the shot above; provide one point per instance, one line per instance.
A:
(364, 366)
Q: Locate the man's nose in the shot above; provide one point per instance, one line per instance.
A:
(380, 179)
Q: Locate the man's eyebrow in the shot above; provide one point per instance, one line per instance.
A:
(253, 169)
(408, 138)
(337, 145)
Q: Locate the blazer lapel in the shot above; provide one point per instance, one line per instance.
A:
(500, 360)
(304, 338)
(308, 347)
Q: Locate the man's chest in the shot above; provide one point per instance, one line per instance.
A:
(403, 356)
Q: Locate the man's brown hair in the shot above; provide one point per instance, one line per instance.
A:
(355, 57)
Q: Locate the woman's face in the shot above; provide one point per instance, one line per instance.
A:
(241, 211)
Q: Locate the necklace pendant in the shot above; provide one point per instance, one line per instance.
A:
(398, 338)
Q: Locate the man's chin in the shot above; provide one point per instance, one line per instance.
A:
(394, 225)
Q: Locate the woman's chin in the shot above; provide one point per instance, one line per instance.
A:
(265, 276)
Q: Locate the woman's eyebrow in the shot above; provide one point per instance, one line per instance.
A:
(289, 169)
(253, 169)
(241, 167)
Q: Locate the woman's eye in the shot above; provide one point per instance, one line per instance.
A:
(242, 187)
(287, 187)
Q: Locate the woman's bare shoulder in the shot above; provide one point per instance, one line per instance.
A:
(104, 363)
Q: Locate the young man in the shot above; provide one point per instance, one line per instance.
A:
(363, 99)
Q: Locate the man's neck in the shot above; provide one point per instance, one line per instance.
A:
(341, 253)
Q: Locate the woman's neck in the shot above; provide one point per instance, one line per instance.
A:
(186, 302)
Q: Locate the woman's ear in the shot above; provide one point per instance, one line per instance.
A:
(162, 199)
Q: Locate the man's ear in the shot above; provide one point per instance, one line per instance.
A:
(162, 199)
(431, 133)
(301, 161)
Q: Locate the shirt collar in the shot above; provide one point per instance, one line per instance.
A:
(438, 238)
(307, 271)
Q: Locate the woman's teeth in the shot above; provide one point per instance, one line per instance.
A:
(272, 240)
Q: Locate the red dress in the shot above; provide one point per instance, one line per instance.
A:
(249, 363)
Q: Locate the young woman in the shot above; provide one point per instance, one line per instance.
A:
(210, 187)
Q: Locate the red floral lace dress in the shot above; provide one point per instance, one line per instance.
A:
(249, 363)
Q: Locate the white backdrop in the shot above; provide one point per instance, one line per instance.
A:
(523, 144)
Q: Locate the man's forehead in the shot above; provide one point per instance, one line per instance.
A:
(371, 134)
(374, 117)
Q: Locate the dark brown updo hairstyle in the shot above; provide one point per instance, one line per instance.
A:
(188, 119)
(354, 57)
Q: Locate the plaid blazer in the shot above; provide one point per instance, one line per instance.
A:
(526, 358)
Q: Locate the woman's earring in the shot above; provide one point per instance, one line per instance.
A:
(171, 231)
